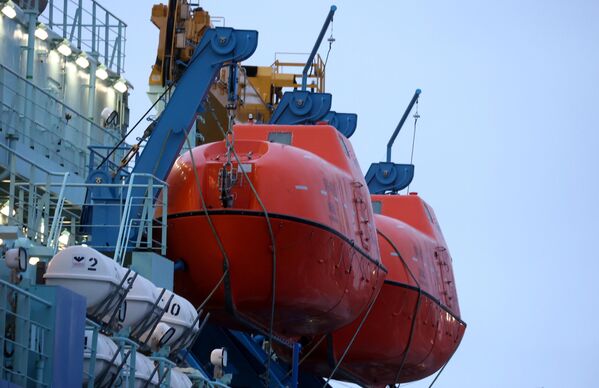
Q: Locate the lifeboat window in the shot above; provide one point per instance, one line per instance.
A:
(377, 207)
(280, 137)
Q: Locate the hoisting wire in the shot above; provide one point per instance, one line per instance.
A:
(272, 239)
(416, 117)
(416, 307)
(136, 147)
(355, 335)
(112, 151)
(212, 227)
(441, 370)
(331, 40)
(314, 347)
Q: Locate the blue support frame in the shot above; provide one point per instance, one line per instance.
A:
(386, 177)
(247, 360)
(327, 21)
(401, 122)
(302, 107)
(389, 177)
(218, 46)
(345, 123)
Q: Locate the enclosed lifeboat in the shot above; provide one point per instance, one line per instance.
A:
(414, 326)
(305, 229)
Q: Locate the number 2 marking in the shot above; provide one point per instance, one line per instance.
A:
(93, 264)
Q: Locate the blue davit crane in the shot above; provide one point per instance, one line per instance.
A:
(218, 47)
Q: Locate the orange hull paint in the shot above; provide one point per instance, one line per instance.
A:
(379, 350)
(327, 259)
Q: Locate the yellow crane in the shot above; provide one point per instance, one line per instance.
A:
(260, 87)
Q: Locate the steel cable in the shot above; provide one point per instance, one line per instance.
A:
(351, 342)
(416, 117)
(274, 248)
(135, 126)
(212, 227)
(416, 308)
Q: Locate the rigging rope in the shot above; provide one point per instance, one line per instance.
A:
(416, 307)
(416, 117)
(314, 347)
(212, 227)
(331, 40)
(441, 370)
(355, 335)
(136, 147)
(353, 338)
(272, 239)
(135, 126)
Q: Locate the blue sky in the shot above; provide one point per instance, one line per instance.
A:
(506, 153)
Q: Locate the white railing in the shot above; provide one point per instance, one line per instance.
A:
(91, 27)
(145, 223)
(50, 204)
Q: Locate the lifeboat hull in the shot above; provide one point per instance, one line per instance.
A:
(410, 332)
(323, 251)
(319, 275)
(378, 352)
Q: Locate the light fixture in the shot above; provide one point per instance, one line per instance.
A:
(120, 85)
(8, 9)
(41, 32)
(33, 260)
(82, 61)
(101, 72)
(64, 237)
(64, 48)
(4, 209)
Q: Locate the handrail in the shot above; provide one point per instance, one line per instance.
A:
(124, 228)
(46, 197)
(24, 292)
(57, 220)
(89, 26)
(126, 223)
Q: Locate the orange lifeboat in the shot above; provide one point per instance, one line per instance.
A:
(306, 222)
(414, 327)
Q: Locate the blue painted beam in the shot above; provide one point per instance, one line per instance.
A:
(327, 21)
(401, 122)
(218, 46)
